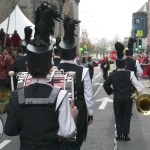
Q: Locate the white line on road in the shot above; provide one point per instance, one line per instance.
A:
(98, 75)
(4, 143)
(100, 85)
(104, 100)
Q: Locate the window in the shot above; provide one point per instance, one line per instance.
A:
(137, 21)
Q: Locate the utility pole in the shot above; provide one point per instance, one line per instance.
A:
(8, 23)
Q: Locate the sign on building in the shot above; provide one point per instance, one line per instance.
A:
(139, 33)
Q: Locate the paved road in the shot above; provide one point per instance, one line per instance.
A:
(101, 133)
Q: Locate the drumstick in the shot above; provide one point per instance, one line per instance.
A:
(11, 74)
(53, 69)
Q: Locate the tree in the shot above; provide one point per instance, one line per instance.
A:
(102, 47)
(85, 41)
(113, 42)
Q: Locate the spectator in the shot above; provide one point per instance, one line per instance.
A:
(105, 66)
(85, 64)
(20, 52)
(10, 49)
(8, 43)
(14, 54)
(77, 60)
(5, 63)
(140, 59)
(148, 69)
(2, 34)
(93, 64)
(16, 39)
(145, 60)
(135, 56)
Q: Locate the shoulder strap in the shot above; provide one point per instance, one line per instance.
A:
(50, 100)
(54, 94)
(20, 88)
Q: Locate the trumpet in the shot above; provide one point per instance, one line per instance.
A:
(142, 102)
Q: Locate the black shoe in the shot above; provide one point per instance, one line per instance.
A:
(119, 137)
(131, 114)
(126, 137)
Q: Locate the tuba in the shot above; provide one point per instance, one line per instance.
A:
(142, 102)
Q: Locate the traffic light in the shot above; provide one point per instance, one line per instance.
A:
(140, 43)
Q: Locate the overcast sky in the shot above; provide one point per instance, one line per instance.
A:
(107, 18)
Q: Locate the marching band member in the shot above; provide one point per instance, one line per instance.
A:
(132, 64)
(56, 59)
(122, 81)
(40, 113)
(83, 87)
(19, 64)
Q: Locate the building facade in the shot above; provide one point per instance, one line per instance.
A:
(139, 23)
(28, 7)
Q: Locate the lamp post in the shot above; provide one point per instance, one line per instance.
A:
(8, 23)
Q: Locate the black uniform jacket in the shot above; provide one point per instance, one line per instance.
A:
(131, 64)
(105, 65)
(37, 125)
(19, 65)
(56, 61)
(120, 80)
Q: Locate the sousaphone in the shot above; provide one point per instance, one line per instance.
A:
(142, 102)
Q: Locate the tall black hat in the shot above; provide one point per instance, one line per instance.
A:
(39, 52)
(68, 45)
(121, 59)
(26, 41)
(129, 51)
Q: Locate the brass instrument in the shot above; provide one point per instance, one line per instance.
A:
(142, 102)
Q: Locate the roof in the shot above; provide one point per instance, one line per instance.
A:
(144, 8)
(18, 21)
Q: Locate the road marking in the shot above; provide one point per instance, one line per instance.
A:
(4, 143)
(104, 102)
(100, 85)
(98, 75)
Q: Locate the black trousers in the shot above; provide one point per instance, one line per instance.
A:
(91, 74)
(81, 129)
(105, 73)
(122, 109)
(53, 147)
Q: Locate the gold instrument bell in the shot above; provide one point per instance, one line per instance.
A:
(142, 102)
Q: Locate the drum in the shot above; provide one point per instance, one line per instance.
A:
(55, 78)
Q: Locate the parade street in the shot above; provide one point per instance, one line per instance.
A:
(101, 133)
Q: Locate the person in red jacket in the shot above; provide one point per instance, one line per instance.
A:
(8, 42)
(5, 63)
(148, 69)
(16, 39)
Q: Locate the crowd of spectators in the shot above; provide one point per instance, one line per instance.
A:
(144, 61)
(10, 48)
